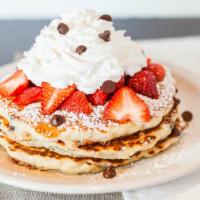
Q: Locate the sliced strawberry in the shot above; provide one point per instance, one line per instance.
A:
(144, 82)
(77, 103)
(157, 69)
(125, 105)
(120, 83)
(98, 98)
(30, 95)
(14, 85)
(52, 97)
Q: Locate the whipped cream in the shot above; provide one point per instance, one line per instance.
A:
(53, 57)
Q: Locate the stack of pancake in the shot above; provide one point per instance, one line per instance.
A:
(87, 143)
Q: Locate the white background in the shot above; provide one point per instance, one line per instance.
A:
(118, 8)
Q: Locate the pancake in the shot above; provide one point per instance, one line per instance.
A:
(44, 159)
(121, 148)
(84, 129)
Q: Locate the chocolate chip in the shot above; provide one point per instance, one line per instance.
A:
(57, 120)
(81, 49)
(109, 172)
(176, 132)
(12, 128)
(176, 90)
(176, 102)
(105, 35)
(187, 116)
(151, 152)
(106, 17)
(61, 142)
(108, 86)
(62, 28)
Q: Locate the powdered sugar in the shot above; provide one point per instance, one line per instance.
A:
(166, 90)
(31, 115)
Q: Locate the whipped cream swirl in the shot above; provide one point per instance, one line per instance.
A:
(53, 57)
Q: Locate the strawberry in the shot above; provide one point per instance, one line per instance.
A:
(144, 82)
(98, 98)
(14, 85)
(77, 103)
(125, 105)
(157, 69)
(120, 83)
(52, 97)
(30, 95)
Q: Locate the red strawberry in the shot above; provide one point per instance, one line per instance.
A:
(52, 97)
(77, 103)
(30, 95)
(144, 82)
(157, 69)
(126, 105)
(14, 85)
(120, 83)
(98, 98)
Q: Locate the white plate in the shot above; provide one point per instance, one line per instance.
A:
(176, 162)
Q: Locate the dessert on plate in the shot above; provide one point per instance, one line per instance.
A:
(85, 99)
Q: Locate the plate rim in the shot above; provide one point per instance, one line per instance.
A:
(110, 188)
